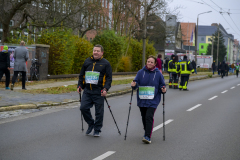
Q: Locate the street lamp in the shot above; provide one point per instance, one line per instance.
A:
(197, 36)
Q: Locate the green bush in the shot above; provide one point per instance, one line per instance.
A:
(67, 52)
(113, 45)
(124, 64)
(83, 50)
(136, 50)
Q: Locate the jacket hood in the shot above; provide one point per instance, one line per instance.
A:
(145, 69)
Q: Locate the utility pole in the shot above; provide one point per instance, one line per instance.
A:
(218, 44)
(144, 33)
(196, 45)
(212, 46)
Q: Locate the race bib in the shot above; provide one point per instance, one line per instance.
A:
(146, 92)
(92, 77)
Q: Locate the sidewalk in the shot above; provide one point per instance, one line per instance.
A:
(19, 99)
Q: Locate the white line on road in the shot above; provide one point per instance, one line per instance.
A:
(161, 125)
(224, 91)
(105, 155)
(198, 105)
(232, 87)
(212, 98)
(238, 84)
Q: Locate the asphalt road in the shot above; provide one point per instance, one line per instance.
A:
(201, 124)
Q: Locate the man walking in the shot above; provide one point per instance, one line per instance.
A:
(213, 67)
(5, 65)
(237, 69)
(95, 78)
(194, 66)
(223, 68)
(185, 70)
(21, 56)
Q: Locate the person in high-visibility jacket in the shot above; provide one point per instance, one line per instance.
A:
(185, 70)
(170, 70)
(175, 72)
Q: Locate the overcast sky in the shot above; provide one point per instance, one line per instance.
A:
(191, 8)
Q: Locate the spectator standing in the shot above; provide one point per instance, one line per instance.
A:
(223, 68)
(237, 69)
(5, 65)
(213, 67)
(219, 68)
(233, 67)
(21, 56)
(95, 78)
(194, 66)
(166, 64)
(159, 62)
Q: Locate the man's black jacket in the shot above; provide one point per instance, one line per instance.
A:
(105, 78)
(4, 60)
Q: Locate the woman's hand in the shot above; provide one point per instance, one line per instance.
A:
(164, 90)
(133, 84)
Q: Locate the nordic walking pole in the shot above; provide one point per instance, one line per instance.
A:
(112, 115)
(163, 115)
(129, 113)
(80, 100)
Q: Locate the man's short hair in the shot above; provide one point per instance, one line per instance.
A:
(22, 43)
(98, 45)
(185, 56)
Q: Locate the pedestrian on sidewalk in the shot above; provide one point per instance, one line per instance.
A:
(223, 68)
(95, 78)
(227, 66)
(233, 67)
(170, 68)
(213, 67)
(150, 83)
(237, 69)
(185, 71)
(5, 65)
(219, 68)
(159, 62)
(194, 66)
(21, 56)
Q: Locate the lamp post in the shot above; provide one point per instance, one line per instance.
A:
(196, 46)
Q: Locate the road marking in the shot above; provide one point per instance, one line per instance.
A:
(212, 98)
(105, 155)
(161, 125)
(232, 87)
(238, 84)
(198, 105)
(224, 91)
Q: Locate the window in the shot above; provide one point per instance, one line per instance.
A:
(11, 23)
(202, 39)
(90, 39)
(209, 39)
(201, 46)
(102, 3)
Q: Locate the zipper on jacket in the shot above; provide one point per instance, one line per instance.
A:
(92, 71)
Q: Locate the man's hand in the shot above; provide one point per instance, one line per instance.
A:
(103, 93)
(79, 90)
(164, 90)
(8, 68)
(133, 84)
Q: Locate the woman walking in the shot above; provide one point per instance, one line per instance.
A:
(150, 83)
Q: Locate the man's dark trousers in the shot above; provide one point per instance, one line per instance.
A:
(87, 102)
(7, 75)
(15, 75)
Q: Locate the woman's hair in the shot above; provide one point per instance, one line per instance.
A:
(151, 56)
(159, 55)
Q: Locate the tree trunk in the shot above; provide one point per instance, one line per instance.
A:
(5, 33)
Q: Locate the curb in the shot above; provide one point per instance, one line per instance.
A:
(37, 106)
